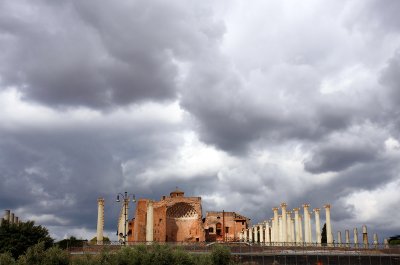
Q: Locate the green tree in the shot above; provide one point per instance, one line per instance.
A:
(220, 255)
(17, 238)
(71, 243)
(324, 239)
(94, 240)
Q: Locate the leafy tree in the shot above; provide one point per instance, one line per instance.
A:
(324, 239)
(94, 240)
(220, 255)
(6, 259)
(17, 238)
(71, 242)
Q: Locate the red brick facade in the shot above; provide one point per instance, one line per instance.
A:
(179, 219)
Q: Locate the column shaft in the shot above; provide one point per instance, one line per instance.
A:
(329, 238)
(355, 238)
(317, 226)
(150, 222)
(306, 224)
(284, 222)
(100, 221)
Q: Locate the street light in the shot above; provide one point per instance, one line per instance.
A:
(125, 201)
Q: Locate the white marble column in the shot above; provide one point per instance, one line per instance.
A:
(347, 236)
(7, 214)
(329, 238)
(255, 233)
(301, 229)
(284, 222)
(375, 240)
(296, 225)
(339, 238)
(272, 226)
(245, 235)
(261, 231)
(355, 238)
(268, 234)
(292, 231)
(280, 229)
(250, 235)
(309, 228)
(150, 222)
(317, 226)
(365, 236)
(307, 239)
(100, 221)
(276, 225)
(288, 232)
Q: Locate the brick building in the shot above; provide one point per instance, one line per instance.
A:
(177, 218)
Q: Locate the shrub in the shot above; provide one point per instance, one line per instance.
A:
(220, 255)
(6, 259)
(55, 256)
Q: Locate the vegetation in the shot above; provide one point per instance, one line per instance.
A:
(15, 239)
(71, 242)
(94, 240)
(394, 240)
(137, 255)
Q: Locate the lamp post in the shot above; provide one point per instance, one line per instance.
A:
(126, 199)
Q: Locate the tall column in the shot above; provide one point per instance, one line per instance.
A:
(329, 239)
(7, 215)
(306, 224)
(347, 235)
(280, 229)
(100, 221)
(365, 236)
(16, 220)
(272, 226)
(375, 240)
(288, 232)
(11, 218)
(317, 226)
(339, 238)
(296, 225)
(309, 227)
(250, 235)
(150, 222)
(276, 225)
(268, 234)
(245, 235)
(261, 229)
(292, 229)
(284, 222)
(301, 229)
(255, 233)
(355, 238)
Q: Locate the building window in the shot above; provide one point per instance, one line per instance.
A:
(226, 230)
(211, 230)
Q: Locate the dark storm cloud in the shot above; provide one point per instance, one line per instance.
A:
(96, 54)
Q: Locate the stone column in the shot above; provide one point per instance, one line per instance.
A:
(296, 225)
(268, 234)
(262, 236)
(284, 222)
(272, 226)
(347, 235)
(280, 229)
(293, 231)
(375, 240)
(301, 229)
(16, 220)
(255, 233)
(150, 222)
(245, 235)
(250, 235)
(309, 228)
(11, 218)
(317, 226)
(339, 238)
(355, 238)
(7, 215)
(276, 225)
(386, 243)
(306, 224)
(365, 236)
(288, 232)
(329, 239)
(100, 220)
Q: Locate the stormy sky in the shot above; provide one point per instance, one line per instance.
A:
(244, 103)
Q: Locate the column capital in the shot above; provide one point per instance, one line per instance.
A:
(275, 209)
(283, 205)
(306, 205)
(296, 209)
(327, 206)
(316, 210)
(288, 212)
